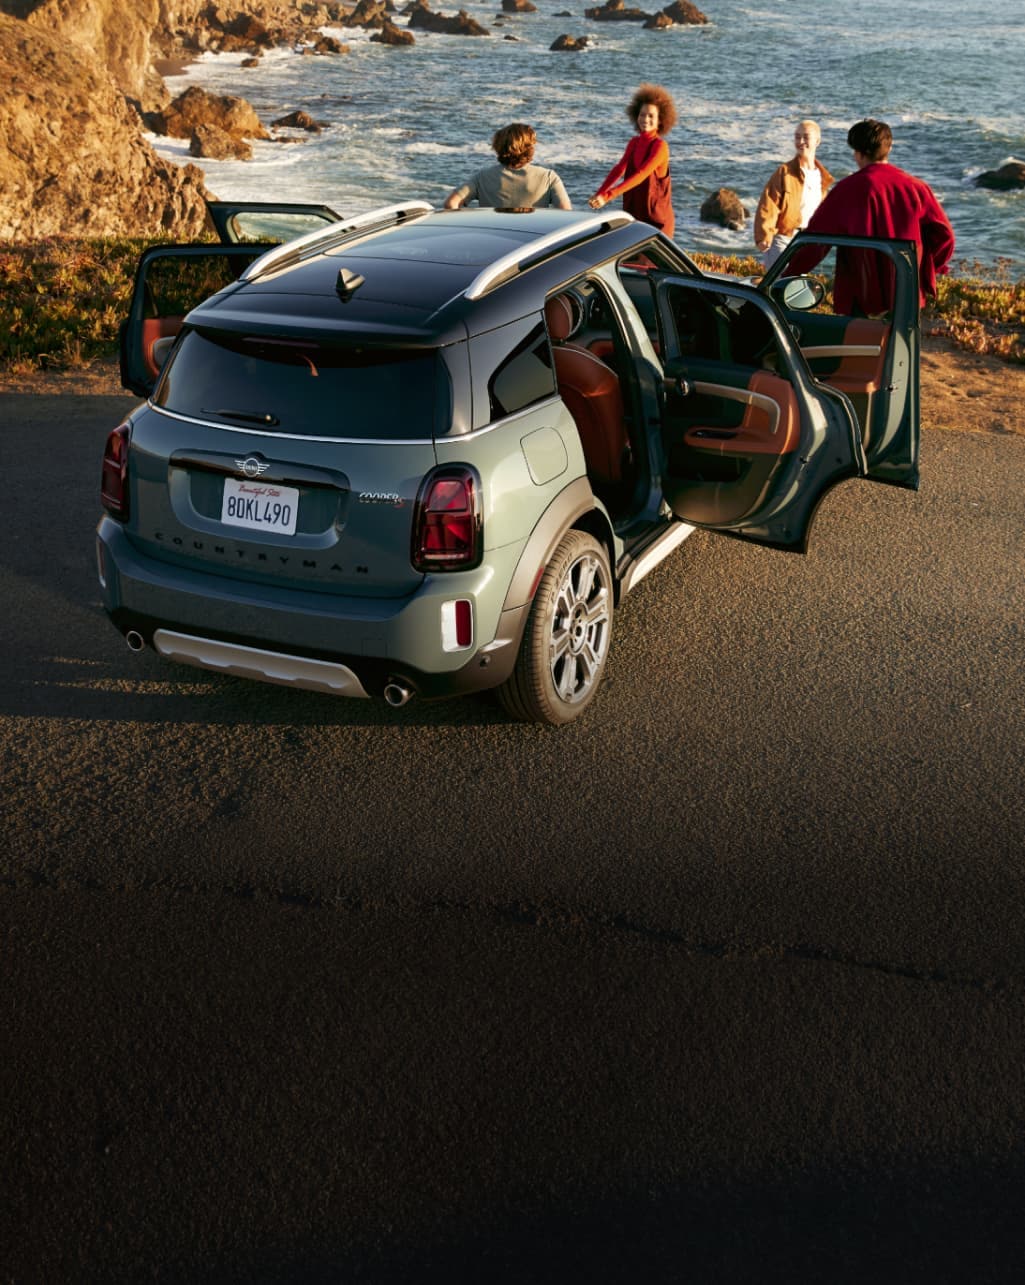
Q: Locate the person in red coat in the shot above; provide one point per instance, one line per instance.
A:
(641, 175)
(878, 200)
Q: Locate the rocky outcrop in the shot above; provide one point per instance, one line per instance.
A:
(679, 12)
(213, 144)
(327, 45)
(197, 108)
(1005, 179)
(392, 35)
(615, 11)
(724, 207)
(569, 44)
(367, 13)
(684, 13)
(299, 120)
(421, 16)
(73, 161)
(518, 6)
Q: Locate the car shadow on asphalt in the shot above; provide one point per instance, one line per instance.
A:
(146, 689)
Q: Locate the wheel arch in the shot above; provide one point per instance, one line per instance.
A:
(573, 508)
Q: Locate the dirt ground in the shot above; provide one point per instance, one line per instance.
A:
(965, 391)
(960, 390)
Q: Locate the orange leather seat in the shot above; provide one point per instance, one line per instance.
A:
(861, 372)
(592, 395)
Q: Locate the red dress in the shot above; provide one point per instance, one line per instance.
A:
(646, 187)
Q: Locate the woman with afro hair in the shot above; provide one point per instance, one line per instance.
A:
(641, 175)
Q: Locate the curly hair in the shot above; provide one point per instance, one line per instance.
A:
(658, 97)
(872, 138)
(514, 144)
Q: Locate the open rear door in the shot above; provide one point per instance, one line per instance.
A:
(751, 442)
(169, 282)
(863, 338)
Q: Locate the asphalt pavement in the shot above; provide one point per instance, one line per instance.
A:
(722, 982)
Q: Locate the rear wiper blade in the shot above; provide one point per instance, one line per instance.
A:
(245, 417)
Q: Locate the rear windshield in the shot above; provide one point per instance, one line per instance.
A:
(307, 390)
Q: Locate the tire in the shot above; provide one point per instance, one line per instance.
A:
(566, 641)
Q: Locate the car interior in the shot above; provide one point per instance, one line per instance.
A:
(727, 415)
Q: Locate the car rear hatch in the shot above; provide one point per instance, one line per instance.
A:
(289, 462)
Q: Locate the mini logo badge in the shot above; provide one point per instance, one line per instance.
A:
(252, 466)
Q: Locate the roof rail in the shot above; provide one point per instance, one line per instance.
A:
(336, 234)
(527, 256)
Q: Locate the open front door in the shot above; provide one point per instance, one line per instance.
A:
(169, 282)
(750, 442)
(863, 338)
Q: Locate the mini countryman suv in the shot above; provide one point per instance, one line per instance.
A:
(417, 453)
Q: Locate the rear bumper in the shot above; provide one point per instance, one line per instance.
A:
(330, 677)
(376, 640)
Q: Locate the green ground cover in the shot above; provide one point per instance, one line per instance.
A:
(62, 302)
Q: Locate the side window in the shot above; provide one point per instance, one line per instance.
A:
(516, 363)
(858, 281)
(715, 326)
(277, 225)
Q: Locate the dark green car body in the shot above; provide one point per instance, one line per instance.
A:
(429, 452)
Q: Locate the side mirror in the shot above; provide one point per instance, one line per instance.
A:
(799, 293)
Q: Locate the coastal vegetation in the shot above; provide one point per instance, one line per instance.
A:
(64, 301)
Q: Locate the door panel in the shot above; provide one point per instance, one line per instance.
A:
(750, 442)
(863, 339)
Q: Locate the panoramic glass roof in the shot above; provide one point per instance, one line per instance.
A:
(442, 242)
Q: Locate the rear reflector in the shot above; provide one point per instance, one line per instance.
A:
(456, 625)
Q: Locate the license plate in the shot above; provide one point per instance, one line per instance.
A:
(260, 506)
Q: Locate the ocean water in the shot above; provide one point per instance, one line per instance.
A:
(405, 123)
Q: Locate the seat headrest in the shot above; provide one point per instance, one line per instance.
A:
(559, 318)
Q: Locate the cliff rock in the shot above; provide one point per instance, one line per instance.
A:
(72, 159)
(129, 36)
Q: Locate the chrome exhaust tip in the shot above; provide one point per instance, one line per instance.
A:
(397, 694)
(135, 640)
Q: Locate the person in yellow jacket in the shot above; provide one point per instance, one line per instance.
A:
(792, 195)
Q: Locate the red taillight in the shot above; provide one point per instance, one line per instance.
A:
(114, 479)
(446, 522)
